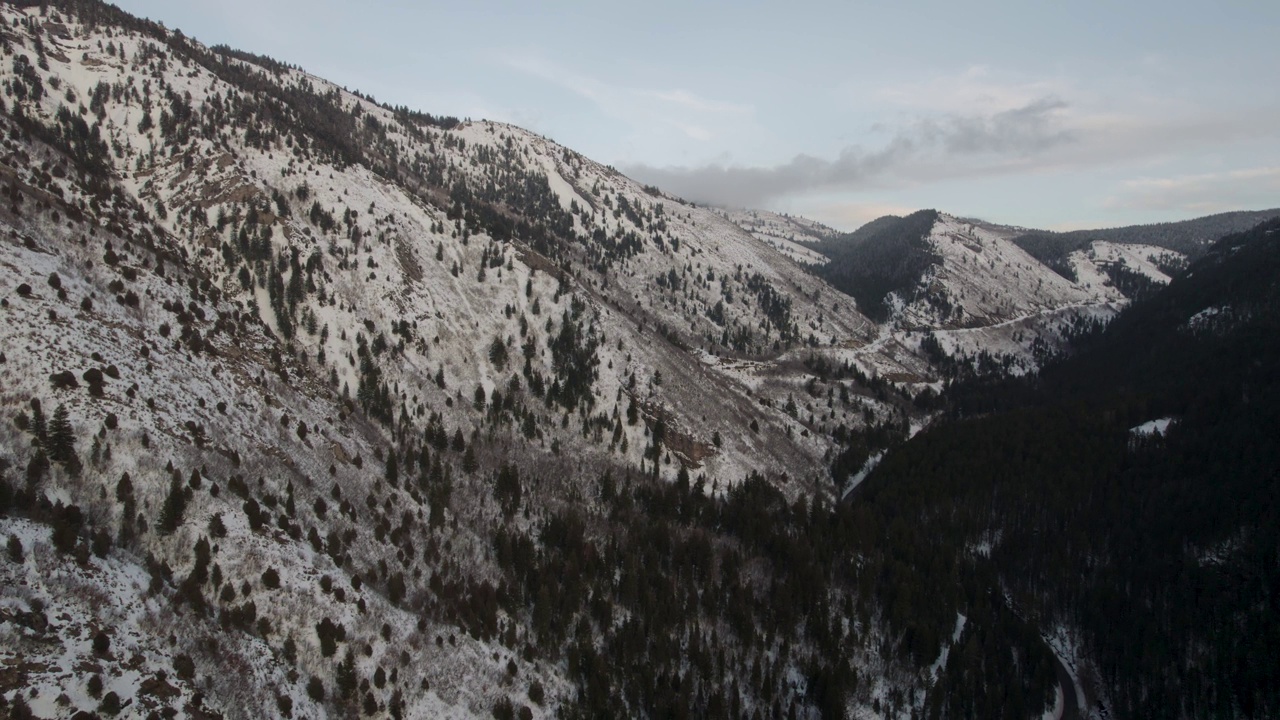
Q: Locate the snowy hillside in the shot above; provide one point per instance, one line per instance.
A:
(368, 394)
(320, 406)
(983, 295)
(981, 278)
(788, 234)
(1099, 265)
(377, 255)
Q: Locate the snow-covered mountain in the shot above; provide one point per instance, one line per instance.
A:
(321, 405)
(980, 278)
(312, 357)
(967, 285)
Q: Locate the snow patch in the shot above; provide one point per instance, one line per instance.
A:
(1159, 426)
(862, 474)
(941, 662)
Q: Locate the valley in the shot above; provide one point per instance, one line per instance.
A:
(319, 407)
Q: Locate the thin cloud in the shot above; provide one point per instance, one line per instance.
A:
(850, 214)
(986, 140)
(974, 90)
(694, 102)
(688, 113)
(1200, 193)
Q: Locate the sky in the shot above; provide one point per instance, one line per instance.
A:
(1041, 114)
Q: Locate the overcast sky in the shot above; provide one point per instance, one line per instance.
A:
(1054, 115)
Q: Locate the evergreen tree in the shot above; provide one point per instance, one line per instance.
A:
(61, 444)
(498, 354)
(507, 489)
(469, 462)
(175, 506)
(329, 634)
(295, 291)
(393, 470)
(16, 554)
(39, 427)
(37, 467)
(279, 303)
(441, 491)
(346, 676)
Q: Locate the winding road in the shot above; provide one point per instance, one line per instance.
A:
(1070, 701)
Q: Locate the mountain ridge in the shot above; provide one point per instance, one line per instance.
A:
(305, 317)
(321, 406)
(1101, 495)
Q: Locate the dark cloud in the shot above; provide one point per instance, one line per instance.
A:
(954, 139)
(1021, 131)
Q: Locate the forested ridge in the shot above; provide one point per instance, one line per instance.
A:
(887, 255)
(1189, 237)
(1158, 551)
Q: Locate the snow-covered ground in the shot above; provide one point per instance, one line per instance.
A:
(856, 479)
(1151, 428)
(1143, 259)
(785, 233)
(705, 319)
(987, 280)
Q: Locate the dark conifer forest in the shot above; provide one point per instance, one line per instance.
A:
(1036, 497)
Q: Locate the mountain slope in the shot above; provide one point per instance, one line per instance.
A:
(933, 270)
(387, 413)
(981, 278)
(386, 205)
(791, 235)
(322, 407)
(891, 258)
(1188, 238)
(1123, 501)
